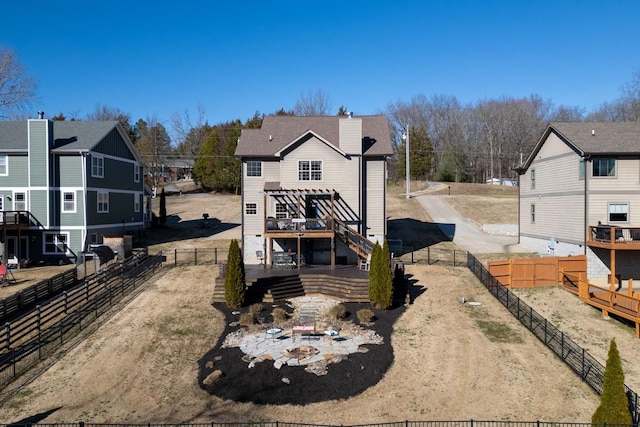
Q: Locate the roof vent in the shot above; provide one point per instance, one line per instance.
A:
(350, 114)
(41, 114)
(593, 132)
(270, 138)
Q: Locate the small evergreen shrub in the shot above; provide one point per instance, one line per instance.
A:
(234, 282)
(614, 404)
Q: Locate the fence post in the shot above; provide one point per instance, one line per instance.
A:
(215, 255)
(454, 257)
(429, 255)
(8, 334)
(39, 329)
(64, 296)
(195, 256)
(175, 257)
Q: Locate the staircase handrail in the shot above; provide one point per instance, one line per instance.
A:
(353, 237)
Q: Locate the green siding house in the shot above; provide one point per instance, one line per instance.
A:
(66, 185)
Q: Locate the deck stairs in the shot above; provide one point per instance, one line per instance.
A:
(354, 240)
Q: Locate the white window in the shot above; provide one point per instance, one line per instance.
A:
(618, 212)
(68, 201)
(136, 173)
(310, 170)
(284, 210)
(19, 201)
(604, 167)
(533, 213)
(533, 178)
(56, 243)
(4, 166)
(97, 166)
(136, 203)
(103, 202)
(254, 168)
(251, 209)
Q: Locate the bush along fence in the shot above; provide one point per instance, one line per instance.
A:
(577, 358)
(450, 257)
(461, 423)
(35, 335)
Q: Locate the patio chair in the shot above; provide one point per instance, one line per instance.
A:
(6, 276)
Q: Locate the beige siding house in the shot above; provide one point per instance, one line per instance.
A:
(580, 194)
(313, 188)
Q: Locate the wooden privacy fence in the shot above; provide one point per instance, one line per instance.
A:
(536, 272)
(30, 338)
(575, 357)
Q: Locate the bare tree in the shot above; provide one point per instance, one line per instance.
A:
(316, 103)
(17, 89)
(190, 132)
(103, 112)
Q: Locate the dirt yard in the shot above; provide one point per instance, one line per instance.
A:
(452, 361)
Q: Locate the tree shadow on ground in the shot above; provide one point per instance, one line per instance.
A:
(419, 234)
(34, 419)
(175, 229)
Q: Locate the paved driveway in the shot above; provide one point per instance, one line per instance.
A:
(465, 233)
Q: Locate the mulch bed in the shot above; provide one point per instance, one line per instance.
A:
(263, 384)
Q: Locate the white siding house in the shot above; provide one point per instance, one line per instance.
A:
(308, 183)
(580, 194)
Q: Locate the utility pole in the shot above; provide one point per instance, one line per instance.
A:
(405, 136)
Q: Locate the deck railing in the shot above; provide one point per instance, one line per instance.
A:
(613, 235)
(298, 224)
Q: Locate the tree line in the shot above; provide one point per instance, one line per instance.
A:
(448, 141)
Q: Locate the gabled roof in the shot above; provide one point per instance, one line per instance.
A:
(593, 138)
(278, 132)
(68, 136)
(302, 138)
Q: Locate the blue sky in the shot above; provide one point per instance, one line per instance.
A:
(156, 58)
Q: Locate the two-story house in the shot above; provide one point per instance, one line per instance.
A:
(65, 185)
(579, 193)
(313, 187)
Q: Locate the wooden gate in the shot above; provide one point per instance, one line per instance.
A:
(535, 272)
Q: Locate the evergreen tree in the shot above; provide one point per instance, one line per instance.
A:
(373, 280)
(386, 277)
(163, 207)
(614, 405)
(234, 279)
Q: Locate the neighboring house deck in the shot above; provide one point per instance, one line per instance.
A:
(65, 186)
(313, 189)
(579, 192)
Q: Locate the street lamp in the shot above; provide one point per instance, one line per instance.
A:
(405, 137)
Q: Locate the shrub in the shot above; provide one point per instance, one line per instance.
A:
(246, 319)
(614, 405)
(380, 277)
(255, 309)
(364, 315)
(279, 315)
(163, 207)
(337, 312)
(234, 286)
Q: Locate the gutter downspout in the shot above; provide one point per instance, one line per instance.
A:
(586, 206)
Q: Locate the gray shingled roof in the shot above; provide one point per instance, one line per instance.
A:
(68, 136)
(601, 138)
(285, 129)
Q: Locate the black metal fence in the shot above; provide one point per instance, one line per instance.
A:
(194, 256)
(37, 334)
(577, 358)
(461, 423)
(450, 257)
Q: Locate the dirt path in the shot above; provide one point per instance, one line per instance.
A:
(453, 361)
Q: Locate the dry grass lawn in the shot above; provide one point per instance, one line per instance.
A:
(452, 361)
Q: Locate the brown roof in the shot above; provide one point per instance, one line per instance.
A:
(279, 131)
(601, 138)
(592, 139)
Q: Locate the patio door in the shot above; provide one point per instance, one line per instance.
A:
(19, 250)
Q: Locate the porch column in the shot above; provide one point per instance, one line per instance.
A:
(333, 252)
(298, 251)
(268, 254)
(612, 279)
